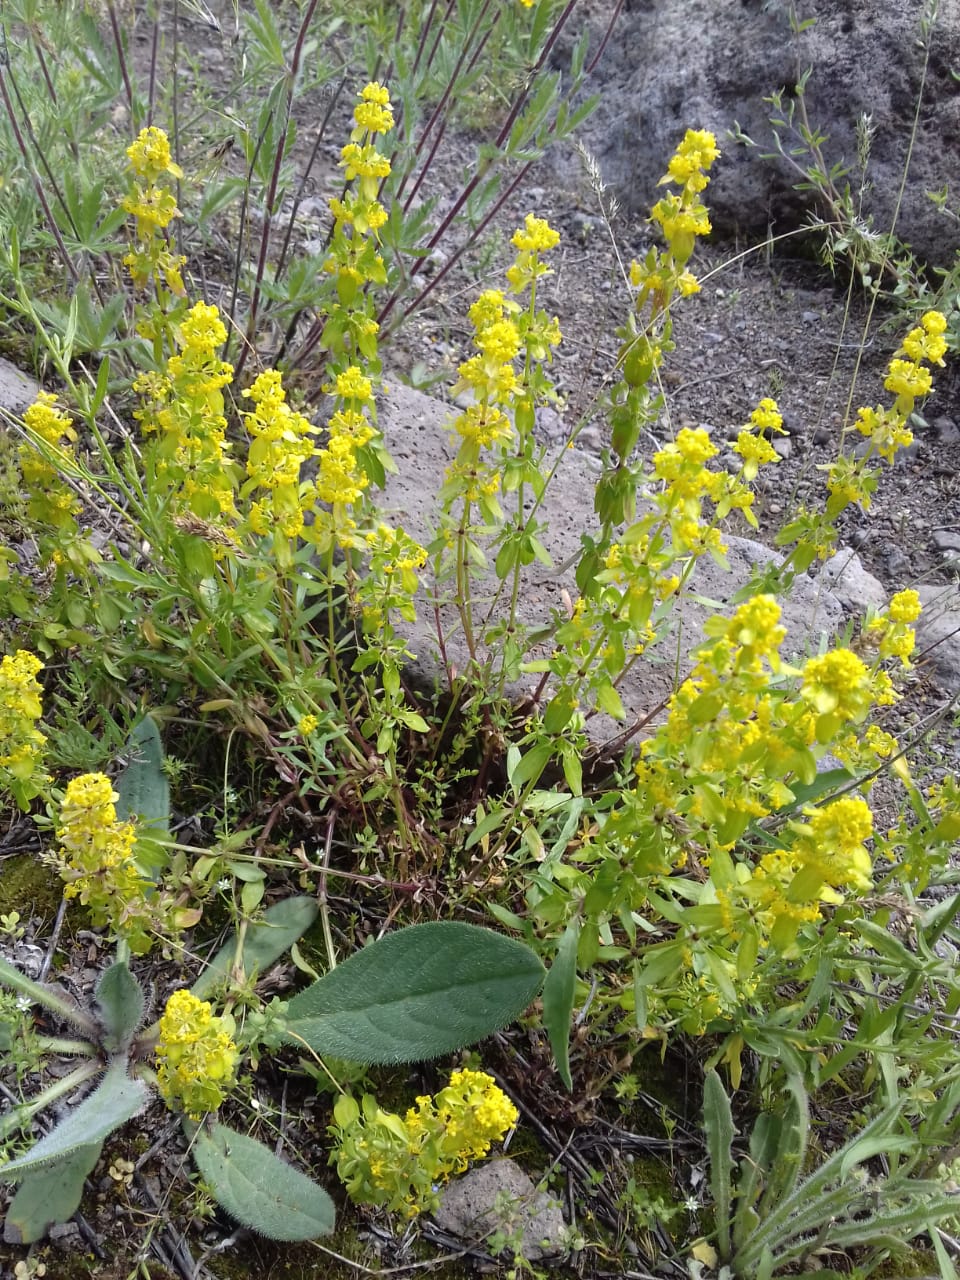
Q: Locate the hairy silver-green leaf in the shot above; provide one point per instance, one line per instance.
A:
(419, 993)
(49, 1196)
(718, 1125)
(117, 1098)
(120, 1001)
(142, 785)
(266, 941)
(259, 1189)
(558, 999)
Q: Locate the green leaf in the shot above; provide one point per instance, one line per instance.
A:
(120, 1001)
(718, 1125)
(49, 1196)
(558, 991)
(117, 1099)
(259, 1189)
(142, 786)
(419, 993)
(265, 941)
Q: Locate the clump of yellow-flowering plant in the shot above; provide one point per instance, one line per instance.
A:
(401, 1164)
(197, 1059)
(21, 742)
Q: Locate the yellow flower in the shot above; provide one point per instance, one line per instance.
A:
(352, 385)
(373, 113)
(202, 331)
(500, 341)
(908, 379)
(96, 860)
(150, 155)
(197, 1059)
(536, 235)
(767, 417)
(837, 683)
(755, 451)
(834, 843)
(904, 607)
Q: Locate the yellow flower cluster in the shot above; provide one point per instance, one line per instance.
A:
(753, 447)
(890, 633)
(96, 860)
(49, 499)
(280, 444)
(685, 482)
(502, 399)
(353, 259)
(469, 1114)
(21, 742)
(154, 206)
(851, 479)
(645, 338)
(341, 474)
(392, 581)
(400, 1163)
(184, 406)
(197, 1059)
(536, 236)
(681, 216)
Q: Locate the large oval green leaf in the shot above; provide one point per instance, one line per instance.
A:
(419, 993)
(259, 1189)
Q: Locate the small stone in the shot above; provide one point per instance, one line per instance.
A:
(947, 540)
(550, 423)
(793, 424)
(948, 433)
(822, 434)
(589, 439)
(499, 1198)
(65, 1235)
(17, 391)
(810, 317)
(897, 562)
(782, 446)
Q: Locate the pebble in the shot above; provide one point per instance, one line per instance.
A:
(810, 317)
(782, 445)
(822, 434)
(948, 433)
(947, 540)
(897, 563)
(793, 424)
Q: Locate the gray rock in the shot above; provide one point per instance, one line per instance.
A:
(417, 433)
(17, 391)
(498, 1197)
(783, 446)
(948, 433)
(946, 540)
(897, 562)
(938, 630)
(849, 581)
(866, 59)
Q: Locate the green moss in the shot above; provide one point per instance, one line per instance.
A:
(29, 887)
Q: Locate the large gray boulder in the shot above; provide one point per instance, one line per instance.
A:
(699, 64)
(416, 429)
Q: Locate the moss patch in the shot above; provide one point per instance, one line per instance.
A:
(29, 887)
